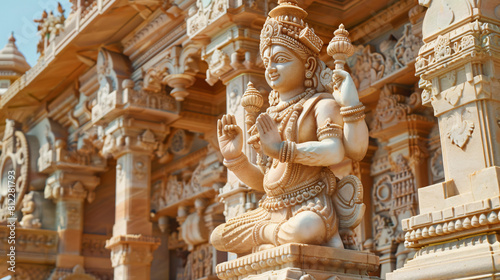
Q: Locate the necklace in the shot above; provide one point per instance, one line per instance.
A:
(283, 111)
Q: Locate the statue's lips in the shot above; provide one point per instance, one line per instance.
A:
(274, 77)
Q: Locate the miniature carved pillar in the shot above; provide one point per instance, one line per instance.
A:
(132, 244)
(69, 189)
(461, 83)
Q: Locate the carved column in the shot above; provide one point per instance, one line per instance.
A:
(458, 222)
(401, 127)
(132, 143)
(133, 124)
(69, 189)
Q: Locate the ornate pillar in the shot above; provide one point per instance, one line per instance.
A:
(69, 190)
(72, 180)
(456, 232)
(132, 143)
(133, 124)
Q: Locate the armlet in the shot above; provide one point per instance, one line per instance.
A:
(329, 130)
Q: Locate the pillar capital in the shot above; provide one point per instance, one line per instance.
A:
(238, 55)
(127, 134)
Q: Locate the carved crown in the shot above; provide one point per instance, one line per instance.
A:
(285, 26)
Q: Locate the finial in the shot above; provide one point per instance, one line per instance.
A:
(11, 38)
(252, 100)
(293, 2)
(340, 47)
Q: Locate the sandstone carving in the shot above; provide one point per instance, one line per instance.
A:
(15, 158)
(296, 139)
(29, 219)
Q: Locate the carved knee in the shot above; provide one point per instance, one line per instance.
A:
(306, 227)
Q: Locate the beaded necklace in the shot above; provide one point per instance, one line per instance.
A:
(287, 114)
(283, 111)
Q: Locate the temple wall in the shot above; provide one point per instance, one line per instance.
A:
(125, 177)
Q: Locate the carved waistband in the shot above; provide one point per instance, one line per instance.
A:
(295, 197)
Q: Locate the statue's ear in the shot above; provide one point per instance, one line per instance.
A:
(311, 64)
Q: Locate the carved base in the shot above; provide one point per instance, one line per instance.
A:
(475, 257)
(293, 261)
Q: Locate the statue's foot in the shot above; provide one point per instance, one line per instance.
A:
(262, 247)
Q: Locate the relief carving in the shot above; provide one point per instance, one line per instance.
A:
(113, 69)
(170, 190)
(458, 128)
(367, 66)
(407, 47)
(391, 109)
(442, 48)
(31, 217)
(206, 12)
(218, 65)
(199, 263)
(14, 161)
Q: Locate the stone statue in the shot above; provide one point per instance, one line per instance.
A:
(303, 132)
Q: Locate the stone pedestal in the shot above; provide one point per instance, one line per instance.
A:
(300, 261)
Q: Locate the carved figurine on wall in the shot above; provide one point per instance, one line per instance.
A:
(303, 132)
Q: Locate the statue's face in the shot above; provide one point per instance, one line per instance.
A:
(285, 71)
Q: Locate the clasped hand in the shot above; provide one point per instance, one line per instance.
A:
(231, 138)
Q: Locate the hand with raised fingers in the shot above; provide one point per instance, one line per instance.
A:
(230, 137)
(346, 93)
(270, 138)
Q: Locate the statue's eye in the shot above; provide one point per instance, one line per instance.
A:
(281, 59)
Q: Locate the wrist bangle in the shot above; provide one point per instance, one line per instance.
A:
(353, 113)
(237, 163)
(288, 151)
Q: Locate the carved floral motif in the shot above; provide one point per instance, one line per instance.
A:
(459, 129)
(407, 47)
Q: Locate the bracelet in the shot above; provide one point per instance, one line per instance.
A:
(237, 163)
(354, 118)
(287, 151)
(353, 113)
(350, 110)
(276, 232)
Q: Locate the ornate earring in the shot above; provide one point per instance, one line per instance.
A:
(308, 83)
(309, 74)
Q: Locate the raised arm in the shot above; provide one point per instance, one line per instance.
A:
(355, 129)
(230, 139)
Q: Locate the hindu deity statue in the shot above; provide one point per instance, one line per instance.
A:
(305, 130)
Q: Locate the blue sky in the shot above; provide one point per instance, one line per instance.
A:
(18, 16)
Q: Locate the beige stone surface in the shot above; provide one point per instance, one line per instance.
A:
(294, 261)
(458, 218)
(113, 136)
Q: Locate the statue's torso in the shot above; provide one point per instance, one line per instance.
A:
(285, 182)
